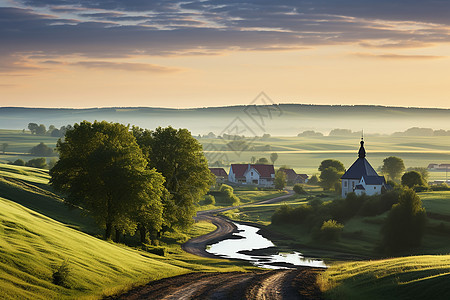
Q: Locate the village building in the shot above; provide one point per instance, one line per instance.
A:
(252, 174)
(293, 178)
(220, 173)
(361, 178)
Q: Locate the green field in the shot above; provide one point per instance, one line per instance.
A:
(413, 277)
(33, 244)
(304, 154)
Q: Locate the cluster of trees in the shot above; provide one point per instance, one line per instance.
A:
(418, 131)
(403, 228)
(264, 161)
(42, 150)
(52, 130)
(132, 180)
(40, 163)
(310, 133)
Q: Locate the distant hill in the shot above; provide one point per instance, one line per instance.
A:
(282, 119)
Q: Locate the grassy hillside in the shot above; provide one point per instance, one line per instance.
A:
(414, 277)
(33, 245)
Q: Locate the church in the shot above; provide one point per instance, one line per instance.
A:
(361, 178)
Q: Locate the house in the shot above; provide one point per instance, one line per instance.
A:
(220, 173)
(361, 178)
(294, 178)
(255, 174)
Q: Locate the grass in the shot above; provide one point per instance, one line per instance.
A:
(413, 277)
(33, 244)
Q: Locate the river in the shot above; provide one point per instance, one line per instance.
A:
(247, 240)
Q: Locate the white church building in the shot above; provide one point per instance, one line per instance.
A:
(361, 178)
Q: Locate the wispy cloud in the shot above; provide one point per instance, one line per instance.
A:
(141, 67)
(398, 56)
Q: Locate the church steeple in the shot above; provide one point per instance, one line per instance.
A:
(362, 151)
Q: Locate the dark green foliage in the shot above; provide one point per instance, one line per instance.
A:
(262, 161)
(413, 178)
(405, 224)
(40, 163)
(280, 180)
(298, 189)
(19, 162)
(33, 127)
(330, 231)
(393, 167)
(286, 214)
(179, 158)
(330, 177)
(423, 171)
(41, 150)
(440, 187)
(314, 180)
(61, 274)
(158, 250)
(4, 147)
(102, 168)
(230, 197)
(273, 157)
(209, 199)
(331, 163)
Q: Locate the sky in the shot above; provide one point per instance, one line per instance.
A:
(111, 53)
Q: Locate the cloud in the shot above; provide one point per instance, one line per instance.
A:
(105, 29)
(141, 67)
(398, 56)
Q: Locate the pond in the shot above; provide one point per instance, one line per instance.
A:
(248, 245)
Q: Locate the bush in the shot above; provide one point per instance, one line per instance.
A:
(331, 230)
(230, 197)
(298, 189)
(61, 273)
(440, 187)
(286, 214)
(19, 162)
(210, 199)
(158, 250)
(37, 163)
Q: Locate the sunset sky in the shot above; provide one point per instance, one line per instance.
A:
(68, 53)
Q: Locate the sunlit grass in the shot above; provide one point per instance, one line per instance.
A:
(413, 277)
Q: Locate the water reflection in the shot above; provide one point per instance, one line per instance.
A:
(248, 239)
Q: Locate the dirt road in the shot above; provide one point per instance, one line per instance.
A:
(276, 285)
(271, 285)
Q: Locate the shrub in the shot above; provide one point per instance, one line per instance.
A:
(61, 273)
(314, 180)
(37, 163)
(331, 230)
(298, 189)
(440, 187)
(19, 162)
(158, 250)
(230, 197)
(210, 199)
(413, 178)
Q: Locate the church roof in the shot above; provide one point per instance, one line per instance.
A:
(374, 180)
(360, 167)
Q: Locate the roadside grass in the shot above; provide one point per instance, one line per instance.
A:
(412, 277)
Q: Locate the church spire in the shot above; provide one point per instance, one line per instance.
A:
(362, 151)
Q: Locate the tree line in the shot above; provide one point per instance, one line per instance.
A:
(41, 129)
(132, 179)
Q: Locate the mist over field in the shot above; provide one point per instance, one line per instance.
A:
(277, 120)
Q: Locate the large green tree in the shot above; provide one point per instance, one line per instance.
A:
(405, 224)
(179, 158)
(102, 168)
(413, 178)
(331, 171)
(393, 167)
